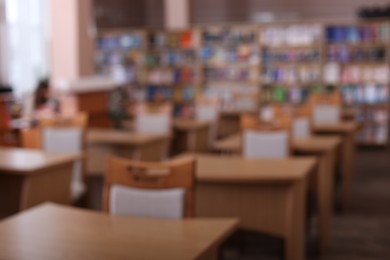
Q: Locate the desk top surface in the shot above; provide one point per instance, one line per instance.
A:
(341, 127)
(235, 169)
(58, 232)
(26, 161)
(108, 136)
(189, 124)
(311, 144)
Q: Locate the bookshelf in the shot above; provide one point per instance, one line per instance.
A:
(158, 66)
(173, 71)
(245, 66)
(357, 61)
(292, 55)
(230, 66)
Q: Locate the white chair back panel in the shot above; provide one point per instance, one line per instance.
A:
(301, 127)
(159, 123)
(167, 203)
(326, 114)
(265, 145)
(62, 140)
(206, 113)
(67, 140)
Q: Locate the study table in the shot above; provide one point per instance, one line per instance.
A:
(190, 135)
(57, 232)
(347, 130)
(268, 196)
(127, 144)
(325, 148)
(30, 177)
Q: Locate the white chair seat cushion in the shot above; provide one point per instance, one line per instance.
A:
(265, 145)
(167, 203)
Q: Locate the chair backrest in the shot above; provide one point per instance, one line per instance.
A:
(326, 114)
(62, 136)
(206, 112)
(301, 127)
(209, 112)
(265, 140)
(153, 123)
(326, 108)
(144, 189)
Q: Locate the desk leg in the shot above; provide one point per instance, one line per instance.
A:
(325, 199)
(294, 246)
(348, 151)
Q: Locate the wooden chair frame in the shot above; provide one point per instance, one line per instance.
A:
(149, 175)
(31, 138)
(252, 122)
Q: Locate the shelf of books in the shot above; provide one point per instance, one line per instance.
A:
(291, 61)
(230, 66)
(120, 54)
(357, 60)
(158, 66)
(173, 71)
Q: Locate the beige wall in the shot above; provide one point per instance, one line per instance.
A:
(71, 42)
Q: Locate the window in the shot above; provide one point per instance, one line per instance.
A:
(27, 43)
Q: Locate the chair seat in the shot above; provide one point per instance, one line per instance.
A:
(167, 203)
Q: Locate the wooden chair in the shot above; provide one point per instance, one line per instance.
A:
(326, 108)
(157, 120)
(208, 110)
(145, 189)
(300, 117)
(265, 139)
(62, 135)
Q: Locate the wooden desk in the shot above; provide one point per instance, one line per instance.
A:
(132, 145)
(346, 130)
(55, 232)
(190, 136)
(30, 177)
(268, 196)
(325, 148)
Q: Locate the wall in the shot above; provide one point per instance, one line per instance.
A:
(129, 13)
(206, 11)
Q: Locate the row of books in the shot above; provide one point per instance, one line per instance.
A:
(169, 76)
(282, 94)
(291, 75)
(233, 96)
(235, 74)
(220, 56)
(177, 94)
(177, 57)
(376, 32)
(229, 36)
(334, 73)
(292, 35)
(171, 40)
(373, 135)
(344, 54)
(270, 55)
(365, 94)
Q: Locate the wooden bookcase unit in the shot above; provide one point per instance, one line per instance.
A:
(249, 65)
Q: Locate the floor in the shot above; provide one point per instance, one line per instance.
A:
(363, 233)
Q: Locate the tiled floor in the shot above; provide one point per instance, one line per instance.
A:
(363, 233)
